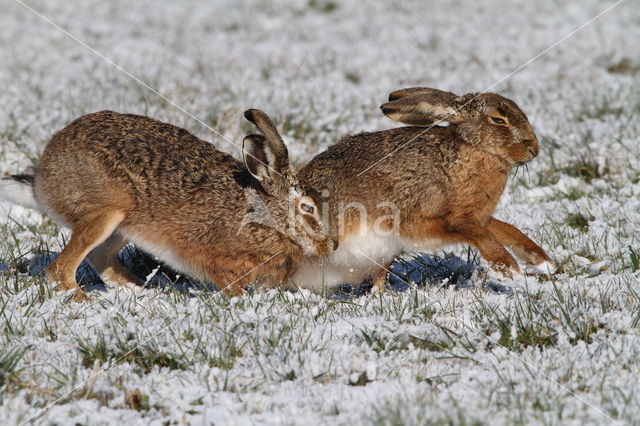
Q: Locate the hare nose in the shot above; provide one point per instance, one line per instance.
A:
(533, 150)
(534, 147)
(336, 243)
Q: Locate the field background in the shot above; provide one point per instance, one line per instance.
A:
(562, 350)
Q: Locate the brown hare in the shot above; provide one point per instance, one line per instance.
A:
(413, 188)
(118, 178)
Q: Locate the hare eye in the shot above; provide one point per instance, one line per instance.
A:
(498, 120)
(307, 208)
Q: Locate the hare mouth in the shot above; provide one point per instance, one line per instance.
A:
(531, 154)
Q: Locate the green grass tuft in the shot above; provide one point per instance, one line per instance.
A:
(144, 356)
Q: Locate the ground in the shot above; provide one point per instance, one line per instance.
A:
(557, 350)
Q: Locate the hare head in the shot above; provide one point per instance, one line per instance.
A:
(267, 159)
(487, 120)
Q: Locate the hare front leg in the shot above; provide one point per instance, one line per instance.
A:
(85, 235)
(105, 259)
(224, 273)
(522, 245)
(490, 248)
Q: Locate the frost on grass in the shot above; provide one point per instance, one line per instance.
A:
(452, 349)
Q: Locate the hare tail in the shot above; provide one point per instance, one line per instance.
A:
(18, 189)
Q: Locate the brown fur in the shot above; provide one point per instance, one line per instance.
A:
(446, 181)
(115, 178)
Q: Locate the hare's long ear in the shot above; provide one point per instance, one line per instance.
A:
(258, 157)
(274, 142)
(412, 91)
(422, 106)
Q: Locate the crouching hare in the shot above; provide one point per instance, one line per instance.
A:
(423, 186)
(116, 179)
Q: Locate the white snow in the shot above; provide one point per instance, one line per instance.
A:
(551, 350)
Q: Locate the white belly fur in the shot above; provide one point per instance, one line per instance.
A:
(166, 255)
(357, 258)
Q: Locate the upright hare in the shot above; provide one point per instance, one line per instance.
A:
(118, 178)
(421, 188)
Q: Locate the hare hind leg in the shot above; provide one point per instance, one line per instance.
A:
(86, 234)
(105, 259)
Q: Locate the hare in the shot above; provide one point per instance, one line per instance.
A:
(117, 178)
(418, 187)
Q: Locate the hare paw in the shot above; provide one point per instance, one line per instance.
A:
(545, 267)
(505, 272)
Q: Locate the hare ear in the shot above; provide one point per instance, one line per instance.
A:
(258, 157)
(412, 91)
(422, 106)
(273, 139)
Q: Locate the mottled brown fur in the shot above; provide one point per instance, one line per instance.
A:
(446, 181)
(115, 178)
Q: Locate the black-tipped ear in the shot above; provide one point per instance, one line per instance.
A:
(273, 138)
(254, 115)
(421, 106)
(258, 157)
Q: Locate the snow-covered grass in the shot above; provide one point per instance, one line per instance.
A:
(562, 350)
